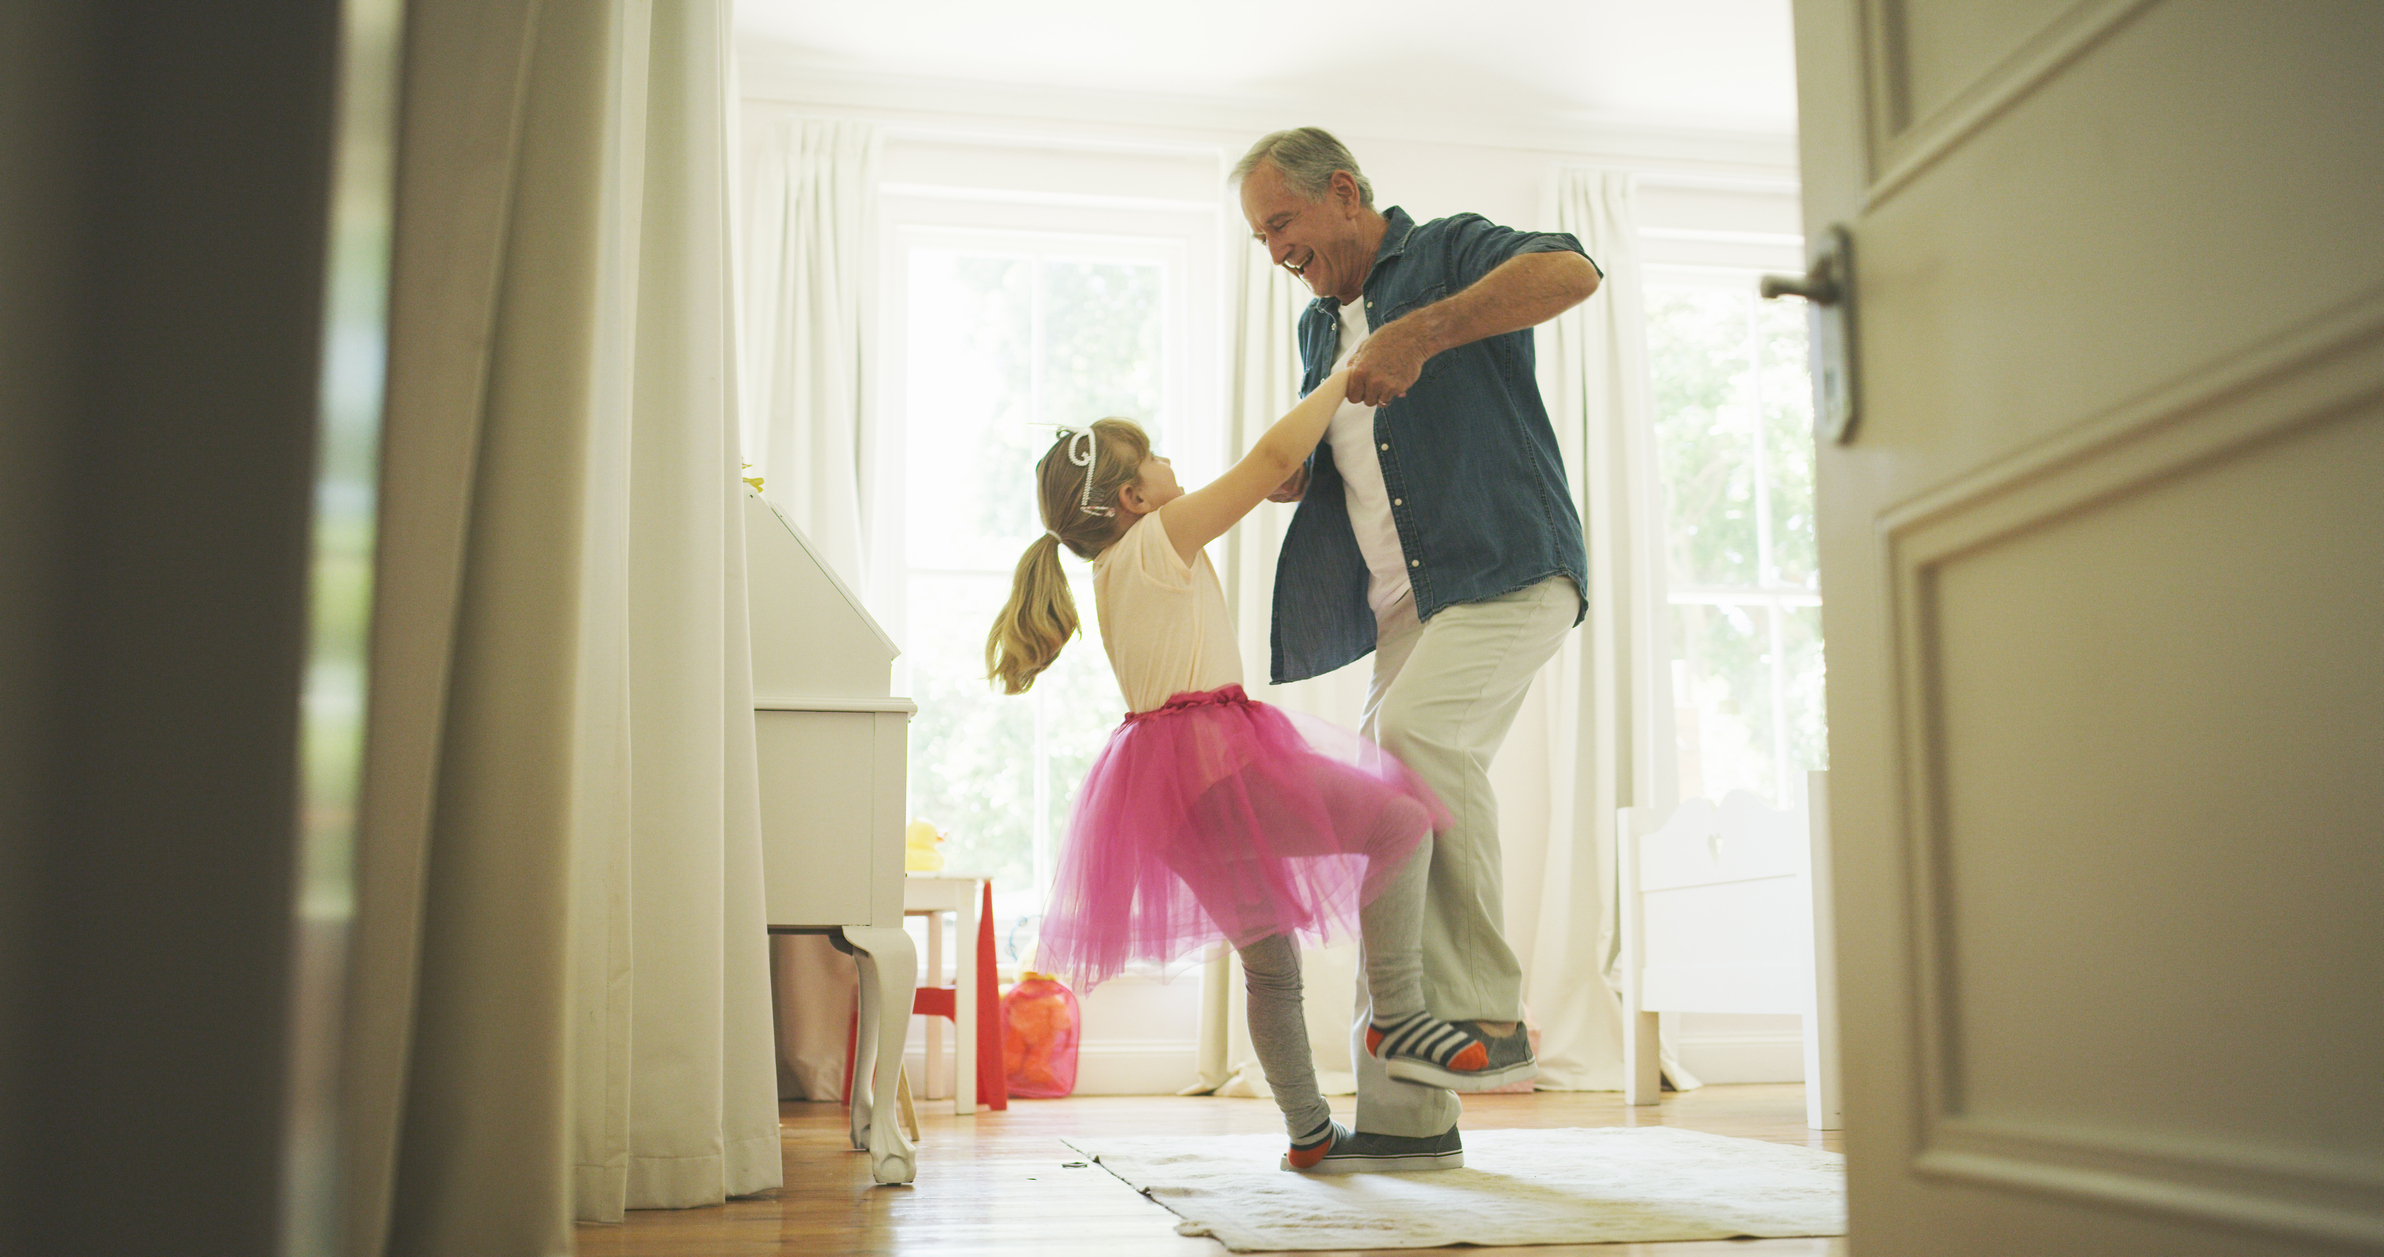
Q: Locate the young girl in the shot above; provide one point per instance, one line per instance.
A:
(1208, 815)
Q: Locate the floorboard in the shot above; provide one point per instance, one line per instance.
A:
(998, 1184)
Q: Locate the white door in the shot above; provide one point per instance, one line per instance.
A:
(2104, 567)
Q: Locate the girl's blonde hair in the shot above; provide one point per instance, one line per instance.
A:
(1041, 614)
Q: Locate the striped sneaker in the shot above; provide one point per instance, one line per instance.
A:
(1453, 1054)
(1363, 1153)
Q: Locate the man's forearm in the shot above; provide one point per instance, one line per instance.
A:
(1521, 292)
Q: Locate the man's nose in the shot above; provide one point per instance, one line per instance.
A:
(1280, 252)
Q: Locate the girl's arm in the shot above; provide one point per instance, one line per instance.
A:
(1203, 515)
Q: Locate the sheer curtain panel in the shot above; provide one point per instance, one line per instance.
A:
(1266, 382)
(808, 236)
(558, 1004)
(1608, 706)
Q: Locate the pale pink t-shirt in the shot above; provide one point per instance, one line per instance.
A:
(1163, 621)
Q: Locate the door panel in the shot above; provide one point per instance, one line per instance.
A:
(1933, 54)
(2105, 578)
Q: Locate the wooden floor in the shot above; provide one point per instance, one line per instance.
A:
(999, 1184)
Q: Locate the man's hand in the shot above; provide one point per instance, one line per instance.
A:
(1293, 489)
(1386, 366)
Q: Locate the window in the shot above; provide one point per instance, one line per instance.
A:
(1734, 445)
(1001, 336)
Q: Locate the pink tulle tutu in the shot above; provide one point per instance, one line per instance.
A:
(1213, 817)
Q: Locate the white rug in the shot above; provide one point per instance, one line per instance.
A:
(1614, 1184)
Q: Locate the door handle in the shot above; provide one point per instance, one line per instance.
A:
(1828, 290)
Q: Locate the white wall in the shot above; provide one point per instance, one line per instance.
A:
(1706, 199)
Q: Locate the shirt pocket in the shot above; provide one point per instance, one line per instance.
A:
(1400, 301)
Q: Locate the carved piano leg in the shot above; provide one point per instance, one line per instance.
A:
(889, 977)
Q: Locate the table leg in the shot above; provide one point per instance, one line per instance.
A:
(889, 977)
(964, 1004)
(933, 975)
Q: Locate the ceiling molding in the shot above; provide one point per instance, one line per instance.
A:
(1193, 124)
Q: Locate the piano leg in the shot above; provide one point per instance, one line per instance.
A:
(889, 977)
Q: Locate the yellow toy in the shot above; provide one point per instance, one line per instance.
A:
(918, 848)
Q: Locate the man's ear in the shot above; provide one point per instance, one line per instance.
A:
(1345, 190)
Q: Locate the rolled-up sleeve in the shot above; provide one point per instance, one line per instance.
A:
(1476, 246)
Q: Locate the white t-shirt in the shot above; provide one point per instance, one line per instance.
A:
(1360, 463)
(1163, 621)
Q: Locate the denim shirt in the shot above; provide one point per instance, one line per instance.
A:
(1477, 485)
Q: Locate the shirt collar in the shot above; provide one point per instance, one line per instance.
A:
(1398, 225)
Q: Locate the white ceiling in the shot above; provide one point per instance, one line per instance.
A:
(1706, 64)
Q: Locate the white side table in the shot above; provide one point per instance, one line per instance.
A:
(932, 895)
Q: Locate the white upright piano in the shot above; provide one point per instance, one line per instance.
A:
(833, 745)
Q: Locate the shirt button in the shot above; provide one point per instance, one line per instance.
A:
(1398, 501)
(1415, 562)
(1386, 445)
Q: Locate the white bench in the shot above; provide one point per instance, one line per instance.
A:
(1718, 907)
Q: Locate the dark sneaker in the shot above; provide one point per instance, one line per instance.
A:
(1484, 1063)
(1362, 1153)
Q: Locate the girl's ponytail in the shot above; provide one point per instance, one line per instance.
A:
(1076, 486)
(1039, 619)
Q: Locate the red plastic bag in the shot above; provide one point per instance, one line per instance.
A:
(1039, 1044)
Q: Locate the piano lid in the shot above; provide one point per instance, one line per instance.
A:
(811, 637)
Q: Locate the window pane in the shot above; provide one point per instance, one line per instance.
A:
(970, 747)
(1101, 333)
(971, 453)
(998, 343)
(1788, 438)
(1697, 353)
(1722, 704)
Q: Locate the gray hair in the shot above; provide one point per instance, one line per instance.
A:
(1308, 158)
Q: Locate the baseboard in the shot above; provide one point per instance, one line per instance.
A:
(1121, 1069)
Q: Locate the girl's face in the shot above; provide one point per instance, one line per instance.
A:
(1154, 486)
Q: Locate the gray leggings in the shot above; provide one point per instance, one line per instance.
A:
(1392, 929)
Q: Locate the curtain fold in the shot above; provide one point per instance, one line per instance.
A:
(809, 232)
(557, 996)
(1608, 713)
(809, 236)
(1265, 384)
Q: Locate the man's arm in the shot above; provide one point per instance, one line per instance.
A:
(1520, 292)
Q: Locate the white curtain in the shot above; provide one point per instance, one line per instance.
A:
(1607, 710)
(1266, 382)
(558, 994)
(809, 231)
(809, 235)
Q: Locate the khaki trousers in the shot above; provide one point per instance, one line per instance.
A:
(1443, 697)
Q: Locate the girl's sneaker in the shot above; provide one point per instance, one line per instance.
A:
(1453, 1054)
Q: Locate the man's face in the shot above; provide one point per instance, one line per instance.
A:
(1322, 242)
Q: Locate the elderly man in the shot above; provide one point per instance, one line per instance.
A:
(1435, 529)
